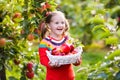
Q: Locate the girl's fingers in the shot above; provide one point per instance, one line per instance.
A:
(78, 60)
(57, 64)
(51, 64)
(54, 64)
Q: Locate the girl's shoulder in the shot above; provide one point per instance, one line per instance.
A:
(43, 43)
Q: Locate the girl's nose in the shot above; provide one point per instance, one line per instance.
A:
(60, 24)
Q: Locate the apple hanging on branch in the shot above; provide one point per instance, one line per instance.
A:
(30, 75)
(17, 17)
(30, 37)
(2, 42)
(118, 19)
(16, 61)
(29, 72)
(30, 66)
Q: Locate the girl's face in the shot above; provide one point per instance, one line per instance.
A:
(57, 25)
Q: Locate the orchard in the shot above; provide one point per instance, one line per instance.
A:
(90, 21)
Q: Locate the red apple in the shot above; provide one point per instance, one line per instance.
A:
(30, 37)
(2, 42)
(65, 48)
(71, 48)
(30, 75)
(16, 61)
(74, 52)
(17, 15)
(118, 19)
(56, 51)
(30, 66)
(22, 31)
(62, 54)
(37, 31)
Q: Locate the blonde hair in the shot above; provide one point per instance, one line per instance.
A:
(45, 28)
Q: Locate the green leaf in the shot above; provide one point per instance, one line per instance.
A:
(99, 27)
(112, 40)
(100, 31)
(97, 20)
(23, 78)
(114, 54)
(115, 12)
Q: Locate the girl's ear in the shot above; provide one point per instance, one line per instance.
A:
(48, 26)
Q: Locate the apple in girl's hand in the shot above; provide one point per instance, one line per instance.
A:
(56, 51)
(74, 52)
(71, 48)
(65, 48)
(30, 75)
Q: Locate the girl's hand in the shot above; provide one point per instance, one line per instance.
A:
(54, 65)
(78, 62)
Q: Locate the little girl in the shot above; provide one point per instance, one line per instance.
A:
(54, 35)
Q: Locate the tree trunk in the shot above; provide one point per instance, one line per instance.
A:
(3, 73)
(2, 62)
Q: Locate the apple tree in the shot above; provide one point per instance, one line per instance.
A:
(19, 37)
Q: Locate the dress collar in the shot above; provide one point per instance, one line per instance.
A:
(56, 42)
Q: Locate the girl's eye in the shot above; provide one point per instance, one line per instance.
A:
(63, 22)
(56, 22)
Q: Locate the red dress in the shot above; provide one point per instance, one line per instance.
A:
(64, 72)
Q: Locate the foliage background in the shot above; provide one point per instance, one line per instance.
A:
(94, 23)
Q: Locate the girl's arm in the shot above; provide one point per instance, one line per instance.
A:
(43, 57)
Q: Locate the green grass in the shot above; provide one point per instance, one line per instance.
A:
(89, 59)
